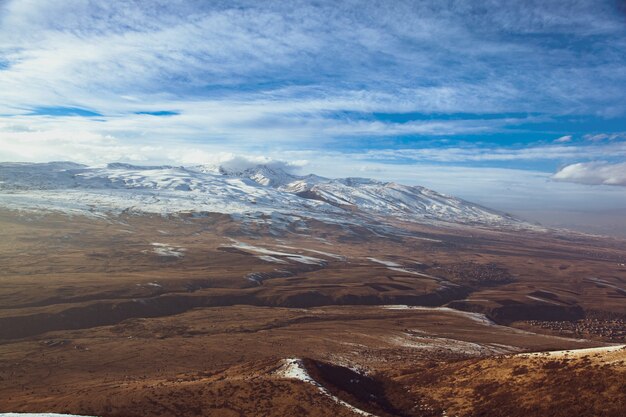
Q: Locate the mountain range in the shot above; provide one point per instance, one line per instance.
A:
(253, 193)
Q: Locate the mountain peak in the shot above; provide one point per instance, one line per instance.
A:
(262, 174)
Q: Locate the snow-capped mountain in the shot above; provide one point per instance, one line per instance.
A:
(261, 190)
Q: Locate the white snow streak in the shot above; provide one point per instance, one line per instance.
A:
(293, 368)
(386, 263)
(257, 250)
(163, 249)
(477, 317)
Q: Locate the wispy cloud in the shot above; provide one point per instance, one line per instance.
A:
(474, 153)
(148, 138)
(599, 137)
(425, 57)
(564, 139)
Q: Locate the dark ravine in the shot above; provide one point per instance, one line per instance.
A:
(375, 394)
(110, 312)
(507, 314)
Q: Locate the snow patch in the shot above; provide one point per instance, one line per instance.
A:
(434, 343)
(293, 368)
(477, 317)
(578, 352)
(268, 258)
(255, 277)
(163, 249)
(150, 284)
(257, 250)
(319, 252)
(412, 272)
(386, 263)
(606, 283)
(543, 300)
(394, 266)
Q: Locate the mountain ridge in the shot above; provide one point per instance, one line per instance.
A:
(254, 191)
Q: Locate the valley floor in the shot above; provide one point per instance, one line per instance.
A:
(146, 315)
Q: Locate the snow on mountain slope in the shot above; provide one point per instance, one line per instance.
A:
(162, 190)
(253, 192)
(392, 199)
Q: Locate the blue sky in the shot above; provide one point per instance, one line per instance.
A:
(481, 99)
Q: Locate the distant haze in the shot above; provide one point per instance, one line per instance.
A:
(610, 223)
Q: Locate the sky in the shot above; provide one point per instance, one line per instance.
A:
(520, 106)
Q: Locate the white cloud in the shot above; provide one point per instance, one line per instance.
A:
(564, 139)
(200, 132)
(593, 173)
(598, 137)
(238, 163)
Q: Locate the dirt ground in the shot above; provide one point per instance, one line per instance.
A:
(145, 315)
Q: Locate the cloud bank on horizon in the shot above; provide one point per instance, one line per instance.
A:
(514, 98)
(594, 173)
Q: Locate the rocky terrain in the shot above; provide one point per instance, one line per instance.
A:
(129, 291)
